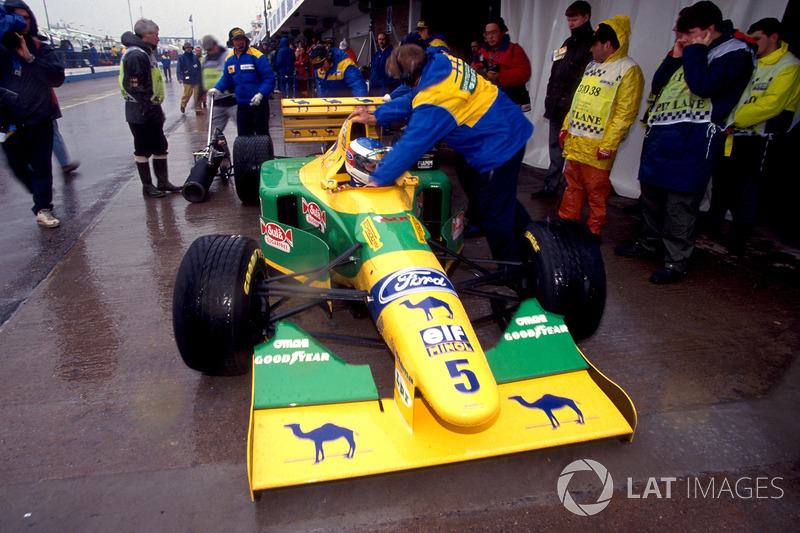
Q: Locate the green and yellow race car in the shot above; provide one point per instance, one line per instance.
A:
(314, 417)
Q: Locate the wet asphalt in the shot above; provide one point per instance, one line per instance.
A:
(102, 426)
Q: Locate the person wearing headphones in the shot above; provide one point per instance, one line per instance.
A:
(336, 73)
(451, 101)
(248, 74)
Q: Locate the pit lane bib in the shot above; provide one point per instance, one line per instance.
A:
(762, 79)
(677, 103)
(594, 97)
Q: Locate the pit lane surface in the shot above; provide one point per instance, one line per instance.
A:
(102, 426)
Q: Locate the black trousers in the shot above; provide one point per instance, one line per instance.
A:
(253, 120)
(29, 151)
(493, 201)
(148, 139)
(736, 181)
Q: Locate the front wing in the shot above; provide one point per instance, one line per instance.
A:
(315, 418)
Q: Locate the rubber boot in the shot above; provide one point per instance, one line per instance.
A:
(162, 175)
(143, 166)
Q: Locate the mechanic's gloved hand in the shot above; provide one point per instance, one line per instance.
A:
(257, 99)
(562, 136)
(604, 154)
(213, 93)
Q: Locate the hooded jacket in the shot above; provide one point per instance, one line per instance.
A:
(452, 102)
(141, 82)
(582, 146)
(284, 59)
(567, 71)
(33, 82)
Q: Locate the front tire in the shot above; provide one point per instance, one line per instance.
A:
(248, 155)
(564, 270)
(216, 318)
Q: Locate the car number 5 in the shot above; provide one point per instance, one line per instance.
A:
(472, 384)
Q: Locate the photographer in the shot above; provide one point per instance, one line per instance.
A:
(507, 65)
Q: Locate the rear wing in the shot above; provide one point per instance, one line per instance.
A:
(319, 119)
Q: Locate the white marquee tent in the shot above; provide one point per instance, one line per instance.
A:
(540, 27)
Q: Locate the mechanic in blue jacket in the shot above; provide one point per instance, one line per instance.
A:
(284, 62)
(248, 74)
(452, 102)
(336, 73)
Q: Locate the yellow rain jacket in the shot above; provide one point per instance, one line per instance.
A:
(615, 111)
(774, 92)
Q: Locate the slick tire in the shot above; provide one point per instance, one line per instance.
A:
(216, 317)
(248, 155)
(564, 270)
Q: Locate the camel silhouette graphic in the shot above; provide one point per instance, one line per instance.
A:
(548, 403)
(428, 304)
(324, 433)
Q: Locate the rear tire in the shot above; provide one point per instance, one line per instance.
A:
(564, 270)
(248, 155)
(216, 318)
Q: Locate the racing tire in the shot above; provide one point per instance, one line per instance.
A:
(216, 318)
(248, 155)
(564, 270)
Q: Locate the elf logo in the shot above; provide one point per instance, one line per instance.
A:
(446, 338)
(315, 215)
(276, 237)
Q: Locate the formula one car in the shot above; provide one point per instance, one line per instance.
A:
(390, 249)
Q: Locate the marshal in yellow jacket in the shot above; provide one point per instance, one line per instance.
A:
(605, 104)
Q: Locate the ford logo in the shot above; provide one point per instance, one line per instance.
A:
(410, 280)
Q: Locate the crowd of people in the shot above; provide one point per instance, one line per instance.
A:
(716, 100)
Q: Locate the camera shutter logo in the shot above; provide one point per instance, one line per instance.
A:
(587, 509)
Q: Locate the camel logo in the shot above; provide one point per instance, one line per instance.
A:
(586, 509)
(428, 304)
(548, 403)
(326, 432)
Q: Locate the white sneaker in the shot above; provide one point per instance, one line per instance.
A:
(45, 218)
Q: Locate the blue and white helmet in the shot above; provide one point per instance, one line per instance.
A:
(362, 158)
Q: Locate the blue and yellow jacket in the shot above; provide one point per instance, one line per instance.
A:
(436, 43)
(247, 75)
(452, 102)
(342, 79)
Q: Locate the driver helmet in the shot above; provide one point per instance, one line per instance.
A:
(362, 158)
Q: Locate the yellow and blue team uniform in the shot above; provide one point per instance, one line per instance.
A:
(342, 79)
(436, 43)
(246, 75)
(452, 102)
